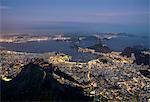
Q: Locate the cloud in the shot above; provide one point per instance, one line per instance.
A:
(119, 14)
(4, 7)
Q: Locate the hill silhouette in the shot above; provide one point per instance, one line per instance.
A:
(34, 83)
(100, 48)
(140, 58)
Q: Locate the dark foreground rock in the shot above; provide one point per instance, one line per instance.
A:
(35, 84)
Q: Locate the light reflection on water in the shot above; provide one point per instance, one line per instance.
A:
(116, 44)
(49, 46)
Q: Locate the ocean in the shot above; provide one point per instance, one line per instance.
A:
(115, 44)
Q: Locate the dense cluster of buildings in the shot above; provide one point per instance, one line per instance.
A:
(112, 76)
(27, 38)
(11, 61)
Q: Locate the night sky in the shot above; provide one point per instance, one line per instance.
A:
(30, 15)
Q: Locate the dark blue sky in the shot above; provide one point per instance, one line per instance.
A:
(25, 15)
